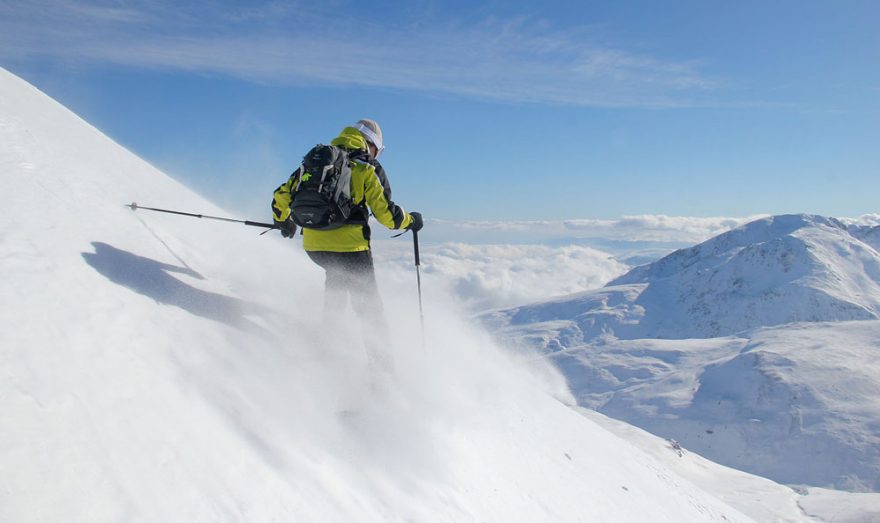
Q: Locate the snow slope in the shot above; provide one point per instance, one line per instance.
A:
(757, 497)
(160, 368)
(757, 349)
(868, 234)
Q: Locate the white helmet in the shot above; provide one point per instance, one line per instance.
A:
(372, 133)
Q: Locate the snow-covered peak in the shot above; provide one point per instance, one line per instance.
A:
(720, 248)
(772, 271)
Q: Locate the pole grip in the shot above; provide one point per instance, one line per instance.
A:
(416, 246)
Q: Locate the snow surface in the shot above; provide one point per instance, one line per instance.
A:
(757, 497)
(841, 507)
(162, 368)
(757, 349)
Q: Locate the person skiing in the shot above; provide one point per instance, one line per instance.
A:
(344, 251)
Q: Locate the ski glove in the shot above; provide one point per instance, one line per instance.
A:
(287, 227)
(417, 222)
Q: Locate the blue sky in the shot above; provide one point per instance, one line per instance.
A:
(491, 110)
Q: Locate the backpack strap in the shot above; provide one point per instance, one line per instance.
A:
(361, 156)
(298, 174)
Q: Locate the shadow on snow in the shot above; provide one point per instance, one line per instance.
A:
(153, 279)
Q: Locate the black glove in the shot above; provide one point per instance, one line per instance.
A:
(287, 228)
(417, 222)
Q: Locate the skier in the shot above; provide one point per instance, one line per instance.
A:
(344, 252)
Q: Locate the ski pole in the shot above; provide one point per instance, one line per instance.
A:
(134, 206)
(419, 282)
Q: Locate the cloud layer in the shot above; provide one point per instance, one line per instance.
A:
(483, 277)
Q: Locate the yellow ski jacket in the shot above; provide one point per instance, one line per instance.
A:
(369, 186)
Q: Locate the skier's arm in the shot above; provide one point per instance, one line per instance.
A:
(281, 199)
(378, 197)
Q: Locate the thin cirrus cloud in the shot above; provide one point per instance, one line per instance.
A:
(512, 60)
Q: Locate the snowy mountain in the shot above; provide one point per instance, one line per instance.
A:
(773, 271)
(161, 368)
(757, 349)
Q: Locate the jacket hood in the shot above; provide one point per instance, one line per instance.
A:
(350, 138)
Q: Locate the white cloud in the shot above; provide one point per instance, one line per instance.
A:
(488, 276)
(498, 59)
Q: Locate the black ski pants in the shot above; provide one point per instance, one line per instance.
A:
(351, 275)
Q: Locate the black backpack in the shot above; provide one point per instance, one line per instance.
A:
(322, 196)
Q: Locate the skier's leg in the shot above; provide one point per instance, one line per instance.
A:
(353, 273)
(336, 283)
(368, 306)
